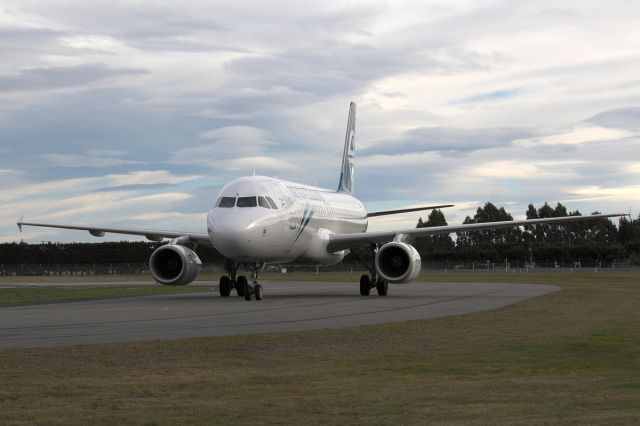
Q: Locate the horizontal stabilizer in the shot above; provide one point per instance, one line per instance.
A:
(414, 209)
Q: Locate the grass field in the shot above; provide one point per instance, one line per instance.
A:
(571, 357)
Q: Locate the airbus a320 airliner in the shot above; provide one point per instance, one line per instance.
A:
(259, 220)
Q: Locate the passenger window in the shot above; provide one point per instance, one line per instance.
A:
(226, 202)
(263, 203)
(247, 202)
(272, 203)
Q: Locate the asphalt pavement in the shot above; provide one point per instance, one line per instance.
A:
(287, 306)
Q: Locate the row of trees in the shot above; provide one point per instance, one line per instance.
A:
(89, 253)
(587, 241)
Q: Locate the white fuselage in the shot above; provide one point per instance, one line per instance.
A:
(263, 219)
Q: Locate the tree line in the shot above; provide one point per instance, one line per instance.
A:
(584, 241)
(89, 253)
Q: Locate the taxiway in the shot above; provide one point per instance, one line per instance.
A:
(287, 306)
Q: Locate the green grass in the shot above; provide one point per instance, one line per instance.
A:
(571, 357)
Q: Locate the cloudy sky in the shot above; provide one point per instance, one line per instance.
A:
(136, 113)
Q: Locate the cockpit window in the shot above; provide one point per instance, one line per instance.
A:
(272, 203)
(226, 202)
(247, 202)
(263, 203)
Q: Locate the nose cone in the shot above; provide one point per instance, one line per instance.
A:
(232, 233)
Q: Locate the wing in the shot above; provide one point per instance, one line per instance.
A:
(339, 242)
(150, 234)
(414, 209)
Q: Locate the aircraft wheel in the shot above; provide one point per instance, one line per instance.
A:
(225, 286)
(257, 289)
(365, 285)
(383, 287)
(247, 292)
(240, 285)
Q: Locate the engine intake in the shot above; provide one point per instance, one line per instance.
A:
(398, 262)
(172, 264)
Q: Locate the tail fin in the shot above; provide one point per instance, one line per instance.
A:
(348, 156)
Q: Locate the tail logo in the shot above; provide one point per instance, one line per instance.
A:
(348, 158)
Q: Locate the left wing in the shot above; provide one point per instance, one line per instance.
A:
(339, 242)
(413, 209)
(150, 234)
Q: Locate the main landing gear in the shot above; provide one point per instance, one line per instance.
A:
(230, 281)
(240, 283)
(368, 282)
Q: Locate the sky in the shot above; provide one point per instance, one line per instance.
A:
(135, 113)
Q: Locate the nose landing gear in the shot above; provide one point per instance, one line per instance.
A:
(255, 289)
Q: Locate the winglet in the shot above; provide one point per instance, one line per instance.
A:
(20, 223)
(348, 156)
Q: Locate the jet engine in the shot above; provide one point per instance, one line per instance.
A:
(173, 264)
(398, 262)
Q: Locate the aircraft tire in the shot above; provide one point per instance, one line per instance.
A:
(383, 287)
(225, 286)
(240, 285)
(246, 291)
(365, 285)
(258, 291)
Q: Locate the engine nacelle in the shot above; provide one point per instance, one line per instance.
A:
(173, 264)
(398, 262)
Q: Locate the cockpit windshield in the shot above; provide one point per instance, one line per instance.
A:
(226, 202)
(264, 202)
(247, 202)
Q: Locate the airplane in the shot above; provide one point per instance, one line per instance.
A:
(259, 220)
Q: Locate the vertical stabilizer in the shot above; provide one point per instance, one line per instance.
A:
(348, 156)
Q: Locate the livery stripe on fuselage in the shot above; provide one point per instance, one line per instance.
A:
(306, 217)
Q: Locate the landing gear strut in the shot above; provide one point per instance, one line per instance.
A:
(367, 282)
(255, 288)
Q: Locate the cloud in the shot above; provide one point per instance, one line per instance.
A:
(136, 187)
(38, 189)
(341, 67)
(448, 139)
(493, 96)
(248, 103)
(626, 193)
(579, 135)
(59, 77)
(228, 143)
(93, 42)
(619, 118)
(94, 159)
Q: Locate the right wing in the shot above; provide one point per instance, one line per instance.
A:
(150, 234)
(339, 242)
